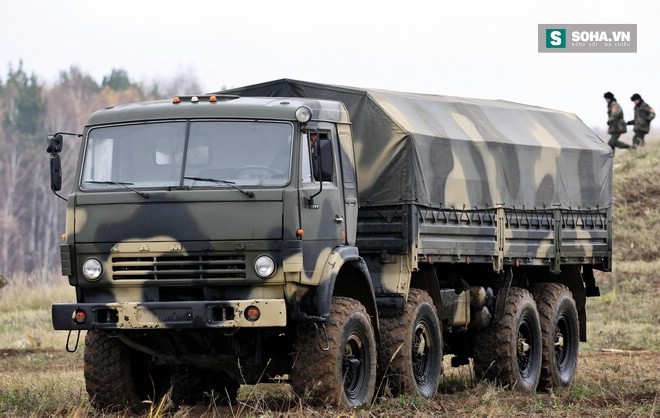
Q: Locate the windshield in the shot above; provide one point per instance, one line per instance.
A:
(214, 154)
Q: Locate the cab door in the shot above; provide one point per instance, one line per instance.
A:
(321, 199)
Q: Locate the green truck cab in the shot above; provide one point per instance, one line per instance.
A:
(333, 236)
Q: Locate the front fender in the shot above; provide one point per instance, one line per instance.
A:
(355, 281)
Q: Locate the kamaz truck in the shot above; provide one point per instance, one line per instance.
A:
(343, 239)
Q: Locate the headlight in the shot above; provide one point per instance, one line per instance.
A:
(264, 266)
(92, 269)
(303, 114)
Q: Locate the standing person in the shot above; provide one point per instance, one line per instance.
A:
(617, 125)
(644, 114)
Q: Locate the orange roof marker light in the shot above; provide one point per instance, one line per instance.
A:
(197, 99)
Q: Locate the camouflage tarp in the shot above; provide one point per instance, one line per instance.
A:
(441, 151)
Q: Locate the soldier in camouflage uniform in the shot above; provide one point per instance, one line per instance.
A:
(644, 114)
(617, 125)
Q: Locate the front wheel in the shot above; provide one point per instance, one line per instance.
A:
(411, 348)
(118, 377)
(560, 334)
(509, 350)
(342, 367)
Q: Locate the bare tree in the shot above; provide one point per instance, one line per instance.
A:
(10, 175)
(184, 82)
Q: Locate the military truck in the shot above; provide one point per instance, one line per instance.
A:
(345, 239)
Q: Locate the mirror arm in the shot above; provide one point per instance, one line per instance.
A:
(60, 196)
(310, 200)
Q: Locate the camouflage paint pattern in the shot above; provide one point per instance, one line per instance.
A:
(453, 152)
(206, 239)
(475, 172)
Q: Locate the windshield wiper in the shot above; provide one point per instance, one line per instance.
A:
(125, 185)
(231, 184)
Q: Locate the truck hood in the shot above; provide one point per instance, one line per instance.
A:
(184, 215)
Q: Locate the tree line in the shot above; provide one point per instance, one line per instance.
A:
(31, 217)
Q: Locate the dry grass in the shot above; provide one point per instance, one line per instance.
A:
(636, 198)
(25, 319)
(627, 314)
(41, 382)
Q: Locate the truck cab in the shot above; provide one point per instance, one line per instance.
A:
(215, 216)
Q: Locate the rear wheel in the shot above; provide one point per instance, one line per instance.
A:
(118, 377)
(560, 334)
(342, 368)
(411, 348)
(509, 350)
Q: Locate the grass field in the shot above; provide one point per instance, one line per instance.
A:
(618, 372)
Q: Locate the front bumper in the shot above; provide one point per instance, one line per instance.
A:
(174, 315)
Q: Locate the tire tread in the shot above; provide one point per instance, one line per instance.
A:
(316, 373)
(494, 352)
(548, 296)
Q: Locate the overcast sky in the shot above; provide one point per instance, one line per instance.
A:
(477, 48)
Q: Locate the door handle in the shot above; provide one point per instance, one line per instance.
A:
(339, 219)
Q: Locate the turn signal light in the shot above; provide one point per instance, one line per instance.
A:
(176, 100)
(79, 316)
(252, 313)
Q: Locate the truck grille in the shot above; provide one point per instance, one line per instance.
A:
(200, 267)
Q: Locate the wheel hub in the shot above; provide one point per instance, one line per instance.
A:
(562, 345)
(351, 365)
(524, 349)
(420, 348)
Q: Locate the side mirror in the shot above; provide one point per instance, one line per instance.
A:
(55, 144)
(55, 173)
(323, 167)
(54, 148)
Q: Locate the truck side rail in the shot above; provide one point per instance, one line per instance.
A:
(499, 235)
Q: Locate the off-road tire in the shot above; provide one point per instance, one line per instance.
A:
(118, 377)
(192, 387)
(345, 372)
(411, 348)
(509, 350)
(559, 334)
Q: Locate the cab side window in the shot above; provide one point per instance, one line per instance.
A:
(311, 147)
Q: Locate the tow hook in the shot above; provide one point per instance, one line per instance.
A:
(326, 346)
(68, 345)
